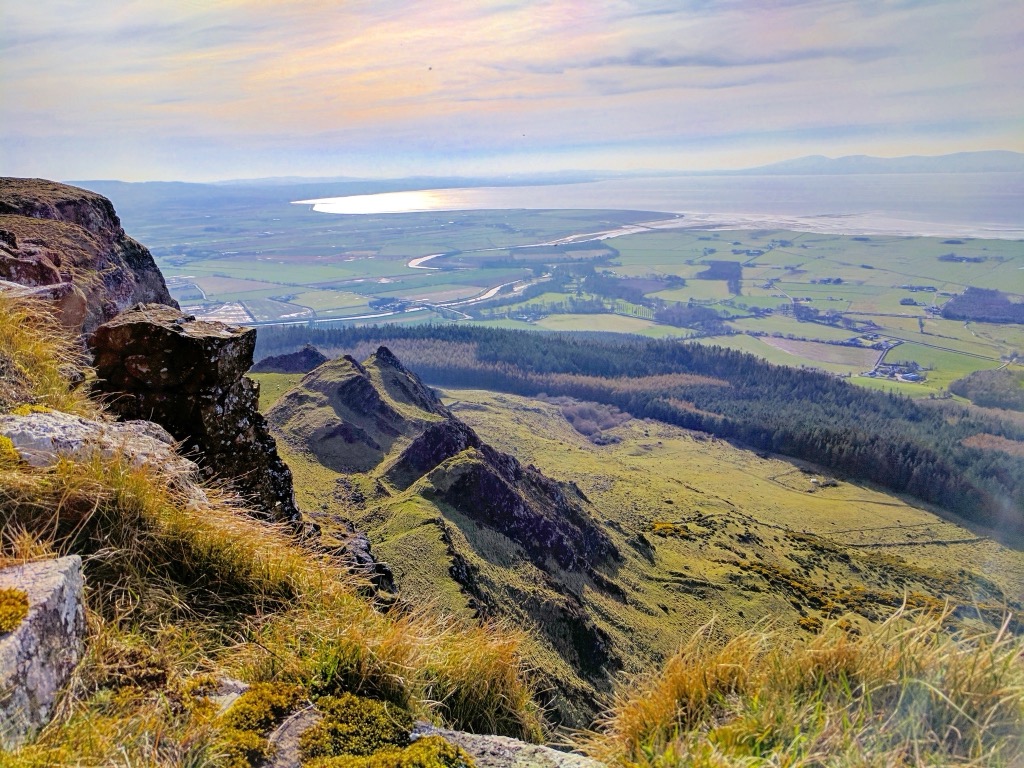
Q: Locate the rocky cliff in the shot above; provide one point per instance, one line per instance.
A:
(155, 363)
(68, 244)
(303, 361)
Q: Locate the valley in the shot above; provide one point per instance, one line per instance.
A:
(705, 531)
(866, 307)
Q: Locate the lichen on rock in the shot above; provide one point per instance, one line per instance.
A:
(13, 608)
(38, 655)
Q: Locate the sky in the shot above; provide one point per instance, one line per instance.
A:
(223, 89)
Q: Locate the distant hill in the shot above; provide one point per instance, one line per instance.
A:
(961, 162)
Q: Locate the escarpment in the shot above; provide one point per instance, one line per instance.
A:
(68, 244)
(446, 509)
(377, 415)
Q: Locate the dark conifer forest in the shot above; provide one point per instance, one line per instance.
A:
(858, 434)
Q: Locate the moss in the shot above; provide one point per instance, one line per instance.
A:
(353, 725)
(246, 724)
(428, 752)
(8, 453)
(262, 706)
(27, 409)
(13, 608)
(242, 749)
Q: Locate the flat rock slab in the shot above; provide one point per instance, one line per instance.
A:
(41, 438)
(503, 752)
(38, 657)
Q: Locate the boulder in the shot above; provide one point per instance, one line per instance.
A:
(503, 752)
(188, 375)
(38, 657)
(53, 233)
(70, 304)
(486, 751)
(41, 438)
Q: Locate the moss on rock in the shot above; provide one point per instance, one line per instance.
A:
(243, 739)
(13, 608)
(353, 725)
(427, 752)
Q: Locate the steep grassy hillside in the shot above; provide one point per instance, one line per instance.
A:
(703, 530)
(371, 444)
(188, 595)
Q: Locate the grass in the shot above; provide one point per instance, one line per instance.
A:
(906, 692)
(692, 517)
(38, 359)
(185, 587)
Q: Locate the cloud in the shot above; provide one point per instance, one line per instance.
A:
(647, 57)
(251, 78)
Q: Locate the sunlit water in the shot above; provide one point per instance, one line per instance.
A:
(965, 204)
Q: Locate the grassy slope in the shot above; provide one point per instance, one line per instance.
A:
(728, 534)
(184, 588)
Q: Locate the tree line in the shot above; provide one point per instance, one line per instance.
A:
(902, 445)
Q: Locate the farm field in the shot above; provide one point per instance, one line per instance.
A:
(778, 294)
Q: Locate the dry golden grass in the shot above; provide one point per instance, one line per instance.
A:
(39, 360)
(904, 693)
(208, 588)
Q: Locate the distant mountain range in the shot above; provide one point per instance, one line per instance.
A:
(288, 188)
(960, 162)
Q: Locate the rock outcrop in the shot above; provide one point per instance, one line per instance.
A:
(347, 416)
(155, 363)
(355, 416)
(504, 752)
(546, 518)
(303, 361)
(38, 657)
(399, 451)
(40, 439)
(70, 241)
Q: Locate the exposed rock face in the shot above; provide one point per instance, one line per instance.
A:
(546, 518)
(303, 361)
(503, 752)
(56, 235)
(37, 658)
(187, 375)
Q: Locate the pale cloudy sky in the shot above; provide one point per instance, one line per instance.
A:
(214, 89)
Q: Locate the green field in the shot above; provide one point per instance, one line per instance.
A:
(278, 260)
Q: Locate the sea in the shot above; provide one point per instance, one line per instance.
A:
(976, 205)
